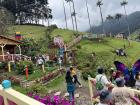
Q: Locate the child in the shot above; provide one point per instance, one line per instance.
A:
(73, 74)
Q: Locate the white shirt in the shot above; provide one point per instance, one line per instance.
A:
(103, 80)
(40, 61)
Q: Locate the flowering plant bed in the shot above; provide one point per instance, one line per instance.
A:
(50, 100)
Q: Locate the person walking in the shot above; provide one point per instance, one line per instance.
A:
(74, 75)
(70, 86)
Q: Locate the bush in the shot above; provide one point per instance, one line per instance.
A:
(3, 65)
(52, 27)
(79, 47)
(85, 74)
(20, 67)
(38, 88)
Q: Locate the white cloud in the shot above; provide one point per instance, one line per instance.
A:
(110, 7)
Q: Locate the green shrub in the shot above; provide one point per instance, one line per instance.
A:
(85, 74)
(20, 67)
(3, 65)
(78, 46)
(38, 88)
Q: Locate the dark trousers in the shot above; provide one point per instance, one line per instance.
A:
(76, 80)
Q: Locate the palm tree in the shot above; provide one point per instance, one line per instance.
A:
(124, 3)
(69, 1)
(99, 4)
(109, 18)
(74, 13)
(88, 15)
(118, 16)
(65, 14)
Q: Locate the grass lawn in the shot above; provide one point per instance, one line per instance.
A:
(104, 51)
(37, 32)
(28, 31)
(67, 35)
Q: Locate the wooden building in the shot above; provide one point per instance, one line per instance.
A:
(8, 47)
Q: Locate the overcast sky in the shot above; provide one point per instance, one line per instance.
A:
(110, 7)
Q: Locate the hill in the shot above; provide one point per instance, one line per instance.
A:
(105, 55)
(135, 34)
(37, 32)
(114, 26)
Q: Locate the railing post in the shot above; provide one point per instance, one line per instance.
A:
(90, 89)
(6, 84)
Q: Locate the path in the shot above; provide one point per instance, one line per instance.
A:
(84, 98)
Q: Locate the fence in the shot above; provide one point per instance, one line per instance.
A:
(92, 89)
(12, 97)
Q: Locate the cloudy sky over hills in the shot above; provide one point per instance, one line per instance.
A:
(110, 7)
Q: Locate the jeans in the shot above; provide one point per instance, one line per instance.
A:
(71, 96)
(71, 89)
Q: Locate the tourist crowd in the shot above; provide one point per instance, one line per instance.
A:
(115, 90)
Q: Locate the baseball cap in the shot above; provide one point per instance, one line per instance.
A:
(105, 95)
(120, 82)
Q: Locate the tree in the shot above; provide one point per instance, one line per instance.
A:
(28, 11)
(6, 19)
(99, 4)
(73, 13)
(65, 14)
(124, 3)
(88, 15)
(69, 1)
(118, 16)
(109, 18)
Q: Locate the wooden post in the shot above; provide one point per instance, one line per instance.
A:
(43, 68)
(2, 47)
(65, 54)
(9, 66)
(90, 89)
(19, 50)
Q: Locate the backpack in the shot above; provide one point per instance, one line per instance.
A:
(99, 85)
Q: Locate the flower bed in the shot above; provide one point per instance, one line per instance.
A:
(50, 100)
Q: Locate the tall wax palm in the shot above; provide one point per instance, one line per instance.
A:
(109, 18)
(65, 14)
(88, 15)
(69, 1)
(74, 13)
(118, 16)
(99, 4)
(124, 3)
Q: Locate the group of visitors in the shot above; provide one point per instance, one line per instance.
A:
(121, 52)
(114, 93)
(71, 80)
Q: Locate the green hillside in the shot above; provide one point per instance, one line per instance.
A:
(37, 32)
(135, 34)
(105, 52)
